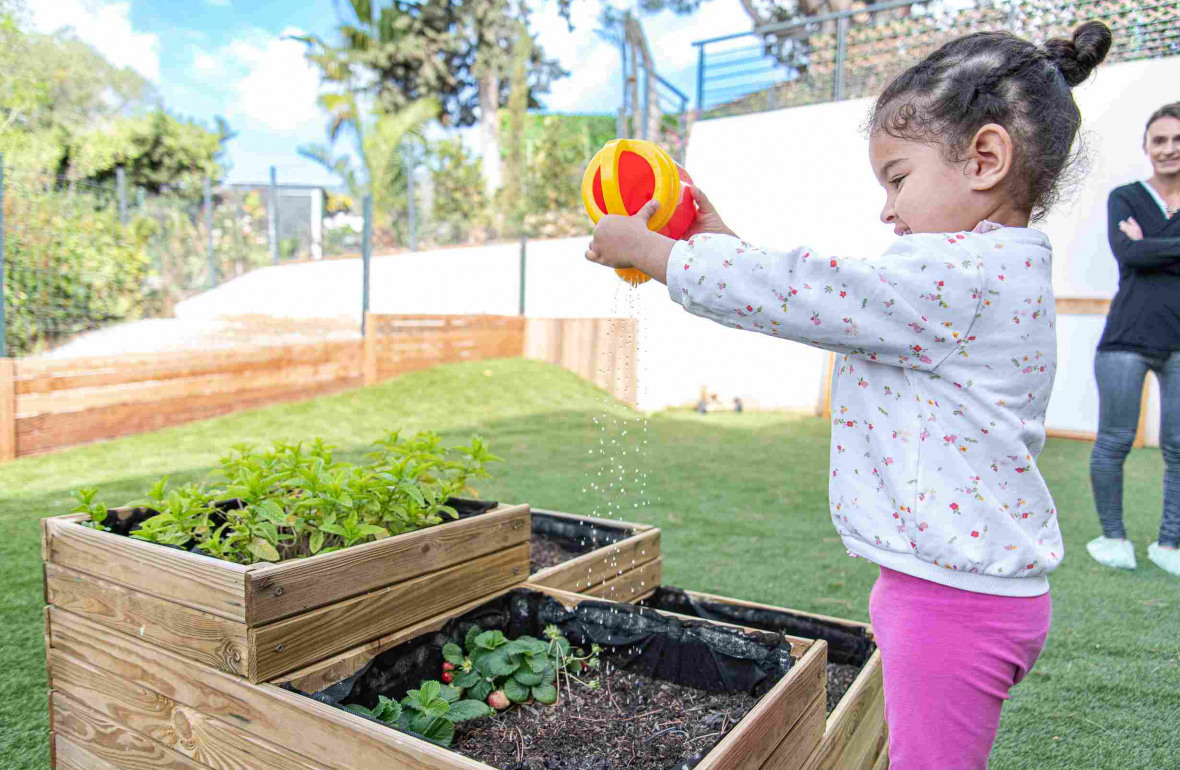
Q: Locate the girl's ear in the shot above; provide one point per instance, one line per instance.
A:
(991, 154)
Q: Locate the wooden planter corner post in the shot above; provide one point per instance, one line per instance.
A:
(627, 570)
(260, 621)
(7, 409)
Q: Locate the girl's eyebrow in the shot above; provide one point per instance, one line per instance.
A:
(889, 165)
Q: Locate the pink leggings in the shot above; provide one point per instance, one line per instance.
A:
(950, 656)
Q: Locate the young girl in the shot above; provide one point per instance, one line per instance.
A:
(949, 353)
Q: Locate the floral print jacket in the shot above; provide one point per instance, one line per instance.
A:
(947, 356)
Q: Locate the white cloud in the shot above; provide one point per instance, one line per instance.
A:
(206, 62)
(107, 27)
(222, 3)
(279, 87)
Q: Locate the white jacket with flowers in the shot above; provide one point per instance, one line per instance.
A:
(938, 402)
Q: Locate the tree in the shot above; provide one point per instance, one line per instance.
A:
(457, 52)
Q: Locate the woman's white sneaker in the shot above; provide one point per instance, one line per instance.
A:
(1112, 552)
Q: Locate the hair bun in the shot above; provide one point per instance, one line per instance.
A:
(1077, 58)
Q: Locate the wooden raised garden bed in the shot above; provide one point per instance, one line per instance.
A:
(855, 736)
(606, 558)
(263, 620)
(116, 702)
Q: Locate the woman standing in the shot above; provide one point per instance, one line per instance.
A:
(1142, 332)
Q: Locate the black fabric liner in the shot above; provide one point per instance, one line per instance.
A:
(846, 646)
(685, 652)
(579, 537)
(124, 521)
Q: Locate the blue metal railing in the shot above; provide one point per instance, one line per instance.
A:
(855, 53)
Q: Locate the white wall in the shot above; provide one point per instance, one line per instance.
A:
(801, 176)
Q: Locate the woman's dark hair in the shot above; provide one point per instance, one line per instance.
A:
(1167, 111)
(996, 77)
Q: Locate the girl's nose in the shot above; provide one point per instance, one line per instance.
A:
(888, 214)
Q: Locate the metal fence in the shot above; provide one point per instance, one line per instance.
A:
(855, 53)
(78, 256)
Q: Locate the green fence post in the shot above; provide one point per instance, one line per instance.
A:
(3, 257)
(209, 232)
(366, 258)
(272, 218)
(121, 185)
(523, 242)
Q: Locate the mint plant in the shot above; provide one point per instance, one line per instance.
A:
(430, 712)
(297, 500)
(501, 670)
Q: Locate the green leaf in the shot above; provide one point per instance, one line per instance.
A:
(527, 677)
(357, 708)
(316, 541)
(448, 693)
(436, 708)
(466, 680)
(516, 692)
(438, 729)
(272, 512)
(500, 663)
(428, 690)
(463, 710)
(545, 693)
(388, 710)
(334, 529)
(530, 645)
(472, 633)
(262, 550)
(452, 654)
(481, 690)
(490, 640)
(537, 662)
(372, 530)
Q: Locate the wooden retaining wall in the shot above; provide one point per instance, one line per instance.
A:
(50, 404)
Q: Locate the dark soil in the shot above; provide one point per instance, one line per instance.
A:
(544, 552)
(839, 680)
(630, 722)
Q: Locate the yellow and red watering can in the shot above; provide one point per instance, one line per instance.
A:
(627, 173)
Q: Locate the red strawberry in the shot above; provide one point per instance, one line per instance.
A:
(498, 700)
(448, 667)
(447, 676)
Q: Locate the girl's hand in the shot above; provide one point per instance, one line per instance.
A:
(1131, 229)
(622, 242)
(707, 219)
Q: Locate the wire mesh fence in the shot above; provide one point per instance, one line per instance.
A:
(79, 256)
(855, 53)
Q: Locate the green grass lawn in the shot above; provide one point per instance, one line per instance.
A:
(742, 501)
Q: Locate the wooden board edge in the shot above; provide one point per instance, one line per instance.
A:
(596, 521)
(631, 583)
(573, 571)
(262, 581)
(281, 646)
(779, 710)
(856, 712)
(71, 755)
(139, 554)
(854, 624)
(83, 712)
(797, 749)
(160, 622)
(883, 757)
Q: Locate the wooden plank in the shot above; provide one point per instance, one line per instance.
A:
(630, 584)
(201, 582)
(1082, 306)
(285, 645)
(50, 431)
(601, 564)
(863, 747)
(851, 624)
(313, 730)
(211, 742)
(149, 391)
(1074, 435)
(71, 756)
(858, 718)
(883, 758)
(284, 589)
(7, 410)
(761, 730)
(797, 747)
(111, 741)
(206, 638)
(594, 521)
(42, 375)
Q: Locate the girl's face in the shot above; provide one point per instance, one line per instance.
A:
(1163, 146)
(923, 192)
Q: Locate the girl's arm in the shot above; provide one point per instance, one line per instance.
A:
(1143, 254)
(913, 306)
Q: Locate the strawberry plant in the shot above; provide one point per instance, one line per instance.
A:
(502, 671)
(296, 500)
(430, 712)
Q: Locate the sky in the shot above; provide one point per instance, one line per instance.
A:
(232, 58)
